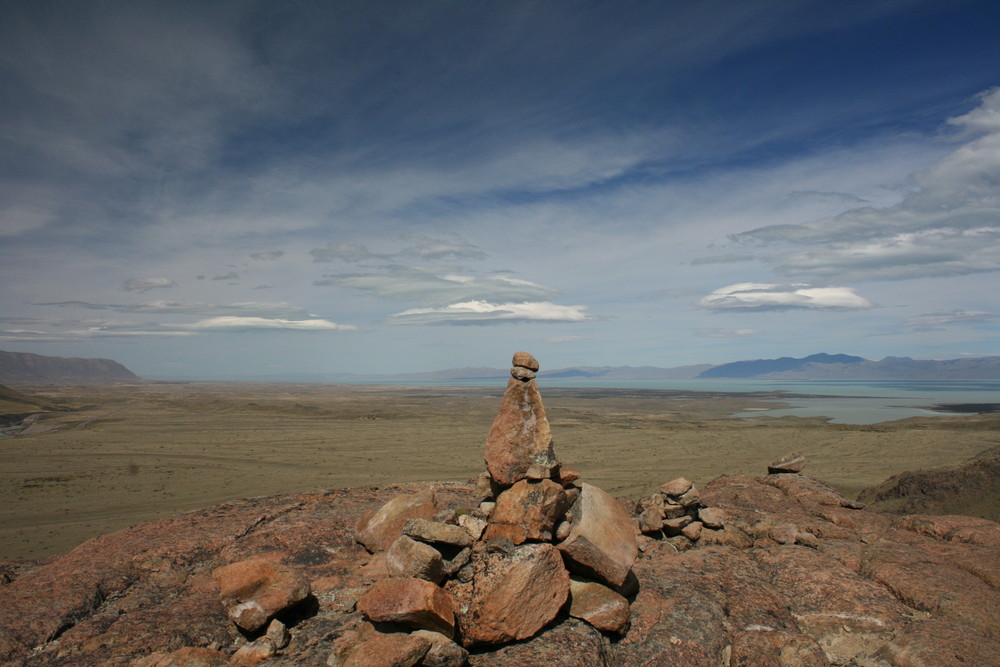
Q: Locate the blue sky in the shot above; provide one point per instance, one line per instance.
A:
(204, 190)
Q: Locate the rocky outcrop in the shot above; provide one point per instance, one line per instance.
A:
(784, 571)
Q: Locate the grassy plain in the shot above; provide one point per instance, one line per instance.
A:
(129, 453)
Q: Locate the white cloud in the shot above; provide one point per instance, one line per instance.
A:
(483, 312)
(766, 296)
(231, 324)
(145, 284)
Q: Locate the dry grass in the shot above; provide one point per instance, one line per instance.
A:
(133, 453)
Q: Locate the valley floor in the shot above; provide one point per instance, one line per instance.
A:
(130, 453)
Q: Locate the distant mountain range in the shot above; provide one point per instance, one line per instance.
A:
(814, 367)
(21, 367)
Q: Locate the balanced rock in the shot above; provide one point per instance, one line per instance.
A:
(520, 436)
(793, 462)
(416, 603)
(512, 594)
(253, 591)
(598, 605)
(527, 511)
(602, 543)
(525, 360)
(379, 529)
(409, 558)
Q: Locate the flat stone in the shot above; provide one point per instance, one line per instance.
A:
(512, 595)
(674, 526)
(522, 374)
(602, 543)
(676, 487)
(379, 529)
(520, 436)
(598, 605)
(416, 603)
(409, 558)
(712, 517)
(793, 462)
(525, 360)
(253, 591)
(568, 475)
(434, 531)
(528, 510)
(692, 531)
(396, 649)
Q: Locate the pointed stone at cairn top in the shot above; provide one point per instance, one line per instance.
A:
(520, 441)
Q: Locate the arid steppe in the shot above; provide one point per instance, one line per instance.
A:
(123, 454)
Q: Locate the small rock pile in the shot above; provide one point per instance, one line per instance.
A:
(501, 572)
(676, 514)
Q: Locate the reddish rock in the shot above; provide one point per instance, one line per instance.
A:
(409, 558)
(764, 648)
(712, 517)
(278, 633)
(602, 543)
(386, 650)
(522, 374)
(527, 511)
(962, 529)
(254, 652)
(512, 596)
(435, 531)
(932, 641)
(598, 605)
(525, 360)
(188, 656)
(676, 487)
(520, 436)
(674, 526)
(692, 531)
(416, 603)
(442, 652)
(650, 520)
(571, 643)
(378, 529)
(793, 462)
(568, 475)
(254, 591)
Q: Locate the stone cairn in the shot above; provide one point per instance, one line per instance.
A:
(541, 542)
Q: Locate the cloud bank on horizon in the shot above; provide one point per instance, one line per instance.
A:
(213, 190)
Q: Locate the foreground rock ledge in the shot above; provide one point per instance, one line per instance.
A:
(735, 597)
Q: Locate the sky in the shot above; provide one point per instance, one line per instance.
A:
(210, 190)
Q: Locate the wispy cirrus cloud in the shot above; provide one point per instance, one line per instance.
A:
(484, 312)
(948, 226)
(748, 297)
(938, 321)
(433, 288)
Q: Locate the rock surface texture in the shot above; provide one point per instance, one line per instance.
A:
(784, 571)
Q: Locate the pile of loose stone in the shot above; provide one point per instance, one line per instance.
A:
(541, 541)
